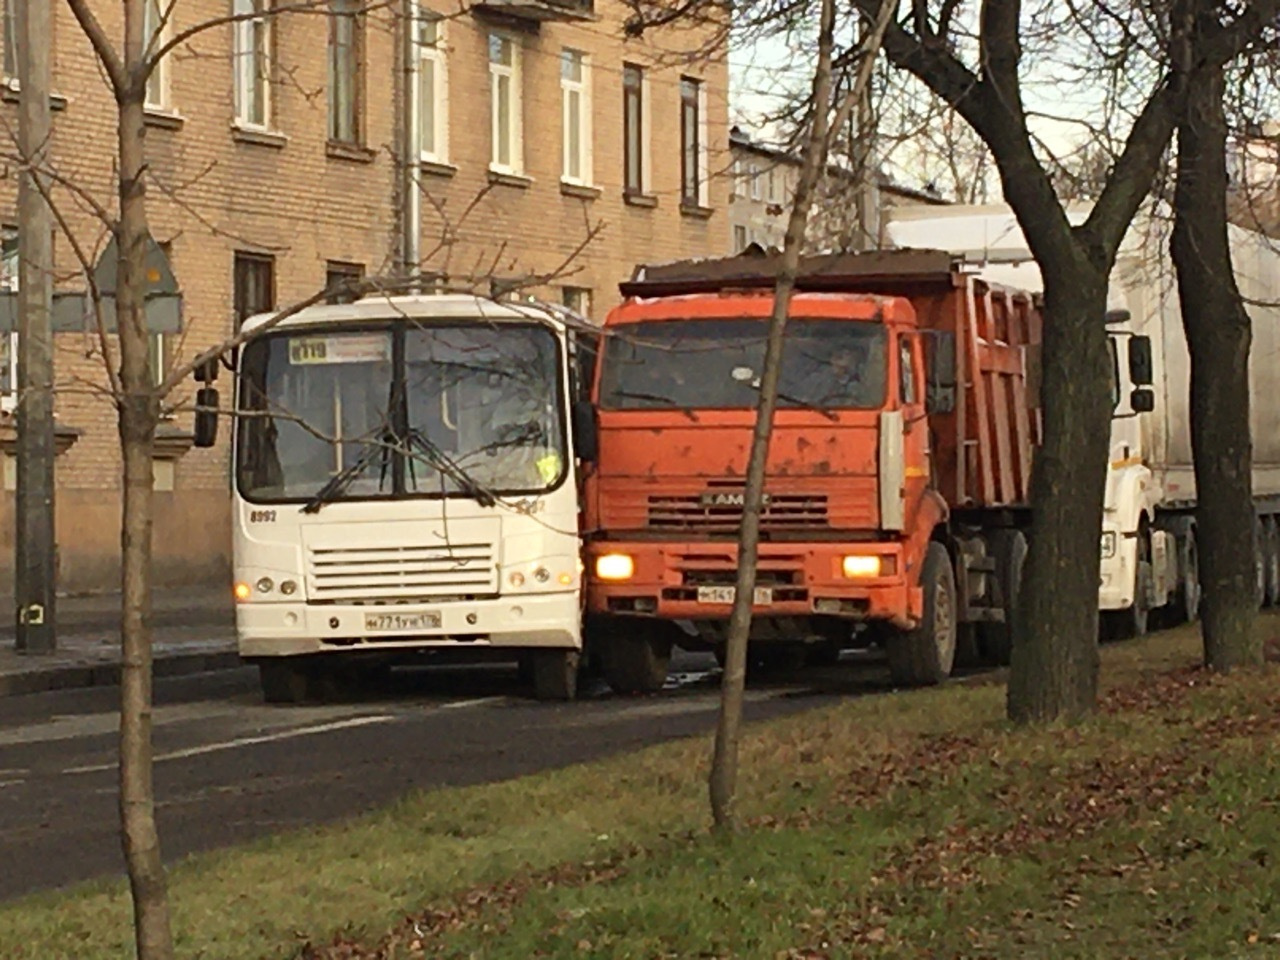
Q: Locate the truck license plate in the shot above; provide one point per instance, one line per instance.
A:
(396, 622)
(763, 595)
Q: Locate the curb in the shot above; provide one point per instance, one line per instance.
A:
(83, 676)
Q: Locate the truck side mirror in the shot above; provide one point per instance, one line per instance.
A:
(206, 424)
(1143, 400)
(1119, 315)
(1141, 364)
(586, 433)
(940, 371)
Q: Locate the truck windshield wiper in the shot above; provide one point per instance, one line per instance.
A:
(809, 405)
(420, 443)
(657, 398)
(347, 475)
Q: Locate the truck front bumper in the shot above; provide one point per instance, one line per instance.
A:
(1116, 580)
(695, 582)
(548, 620)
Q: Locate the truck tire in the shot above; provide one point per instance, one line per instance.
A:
(636, 658)
(924, 656)
(287, 680)
(1189, 577)
(1271, 560)
(995, 640)
(1260, 560)
(555, 674)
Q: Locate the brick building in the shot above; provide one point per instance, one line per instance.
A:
(273, 147)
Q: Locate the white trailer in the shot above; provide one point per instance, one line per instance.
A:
(1148, 541)
(404, 483)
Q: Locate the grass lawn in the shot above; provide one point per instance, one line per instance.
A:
(913, 825)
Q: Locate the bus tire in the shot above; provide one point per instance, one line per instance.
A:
(636, 658)
(285, 680)
(1009, 547)
(555, 674)
(924, 656)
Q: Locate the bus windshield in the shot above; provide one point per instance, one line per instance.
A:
(717, 363)
(400, 410)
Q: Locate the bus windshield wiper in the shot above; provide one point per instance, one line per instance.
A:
(347, 475)
(658, 398)
(419, 442)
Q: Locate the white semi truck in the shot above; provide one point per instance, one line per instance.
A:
(404, 484)
(1148, 539)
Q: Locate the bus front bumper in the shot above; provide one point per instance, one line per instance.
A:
(550, 620)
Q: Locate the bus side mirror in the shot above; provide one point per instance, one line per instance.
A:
(207, 372)
(206, 425)
(1143, 400)
(1141, 364)
(940, 371)
(586, 434)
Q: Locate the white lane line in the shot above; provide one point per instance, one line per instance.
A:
(247, 741)
(477, 702)
(11, 783)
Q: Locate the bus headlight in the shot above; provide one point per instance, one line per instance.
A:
(615, 566)
(859, 566)
(1108, 544)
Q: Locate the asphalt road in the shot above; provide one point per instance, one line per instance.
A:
(229, 768)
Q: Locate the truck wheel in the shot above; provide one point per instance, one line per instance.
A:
(1189, 569)
(968, 647)
(635, 659)
(555, 674)
(286, 680)
(925, 655)
(1260, 560)
(1271, 559)
(995, 640)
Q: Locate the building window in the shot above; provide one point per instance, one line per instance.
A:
(433, 87)
(906, 373)
(771, 185)
(156, 28)
(344, 71)
(635, 148)
(251, 60)
(255, 285)
(10, 38)
(578, 299)
(575, 96)
(341, 279)
(753, 174)
(9, 341)
(739, 238)
(693, 145)
(506, 106)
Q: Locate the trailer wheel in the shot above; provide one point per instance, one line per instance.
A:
(1271, 557)
(995, 640)
(555, 674)
(286, 680)
(925, 655)
(635, 658)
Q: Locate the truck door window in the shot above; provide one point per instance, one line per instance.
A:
(906, 371)
(1115, 373)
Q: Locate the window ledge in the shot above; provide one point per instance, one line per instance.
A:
(696, 210)
(163, 119)
(354, 152)
(171, 442)
(10, 92)
(646, 200)
(258, 137)
(437, 168)
(64, 437)
(582, 191)
(503, 178)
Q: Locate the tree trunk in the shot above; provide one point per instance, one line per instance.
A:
(1218, 337)
(1054, 669)
(138, 415)
(724, 763)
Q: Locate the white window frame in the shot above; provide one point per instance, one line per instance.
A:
(158, 97)
(513, 75)
(581, 89)
(741, 238)
(9, 41)
(434, 55)
(251, 56)
(9, 283)
(771, 184)
(753, 171)
(702, 155)
(350, 10)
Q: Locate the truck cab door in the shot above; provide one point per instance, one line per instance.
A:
(911, 396)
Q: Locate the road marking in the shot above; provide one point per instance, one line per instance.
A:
(247, 741)
(477, 702)
(11, 783)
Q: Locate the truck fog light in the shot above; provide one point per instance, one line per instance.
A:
(542, 574)
(242, 591)
(264, 585)
(289, 588)
(855, 567)
(516, 579)
(615, 566)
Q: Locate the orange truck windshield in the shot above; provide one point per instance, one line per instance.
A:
(716, 364)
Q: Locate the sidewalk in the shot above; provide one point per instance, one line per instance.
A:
(193, 631)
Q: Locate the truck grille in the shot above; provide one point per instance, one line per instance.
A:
(400, 574)
(720, 511)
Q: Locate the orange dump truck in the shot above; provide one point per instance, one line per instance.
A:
(898, 473)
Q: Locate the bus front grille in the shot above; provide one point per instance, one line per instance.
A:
(400, 574)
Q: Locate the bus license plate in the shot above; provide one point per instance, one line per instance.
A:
(397, 622)
(763, 595)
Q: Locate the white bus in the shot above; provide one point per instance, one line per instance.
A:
(404, 482)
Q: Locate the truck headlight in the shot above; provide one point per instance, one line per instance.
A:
(615, 566)
(858, 566)
(1108, 544)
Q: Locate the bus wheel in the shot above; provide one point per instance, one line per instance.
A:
(635, 658)
(285, 680)
(555, 674)
(925, 655)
